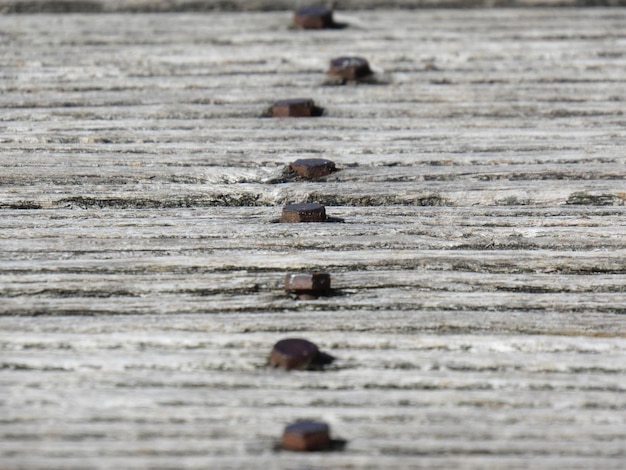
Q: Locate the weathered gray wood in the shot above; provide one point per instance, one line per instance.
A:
(478, 317)
(151, 6)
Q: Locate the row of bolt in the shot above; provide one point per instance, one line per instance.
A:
(297, 353)
(300, 354)
(342, 70)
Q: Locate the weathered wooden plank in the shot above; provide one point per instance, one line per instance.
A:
(147, 6)
(457, 103)
(478, 318)
(523, 400)
(191, 262)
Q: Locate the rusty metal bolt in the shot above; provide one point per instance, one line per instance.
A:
(307, 212)
(315, 283)
(298, 354)
(307, 436)
(311, 168)
(296, 107)
(349, 68)
(313, 17)
(294, 353)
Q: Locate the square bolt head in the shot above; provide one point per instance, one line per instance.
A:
(313, 17)
(293, 213)
(317, 283)
(311, 168)
(306, 436)
(298, 107)
(349, 68)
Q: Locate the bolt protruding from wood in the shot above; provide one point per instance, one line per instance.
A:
(306, 212)
(294, 353)
(296, 107)
(298, 354)
(349, 68)
(306, 436)
(311, 168)
(313, 17)
(314, 284)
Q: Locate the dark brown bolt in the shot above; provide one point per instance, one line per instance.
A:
(313, 17)
(349, 68)
(311, 168)
(294, 353)
(307, 212)
(307, 283)
(306, 436)
(297, 107)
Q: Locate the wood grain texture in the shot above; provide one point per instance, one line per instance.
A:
(478, 313)
(152, 6)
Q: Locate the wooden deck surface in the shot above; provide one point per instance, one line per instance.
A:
(479, 312)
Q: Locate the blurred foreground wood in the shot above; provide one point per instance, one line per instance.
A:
(478, 317)
(153, 6)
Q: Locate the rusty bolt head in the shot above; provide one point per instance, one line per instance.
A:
(310, 168)
(306, 436)
(349, 68)
(297, 107)
(308, 283)
(299, 354)
(306, 212)
(294, 353)
(313, 17)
